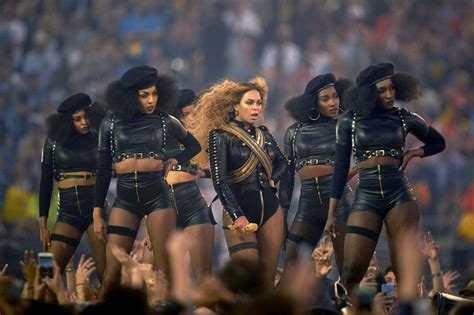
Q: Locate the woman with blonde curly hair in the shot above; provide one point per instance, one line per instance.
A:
(246, 163)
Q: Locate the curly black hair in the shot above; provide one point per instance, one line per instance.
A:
(301, 106)
(362, 100)
(60, 127)
(123, 102)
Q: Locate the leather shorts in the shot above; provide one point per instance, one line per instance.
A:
(313, 204)
(381, 188)
(76, 205)
(142, 193)
(191, 207)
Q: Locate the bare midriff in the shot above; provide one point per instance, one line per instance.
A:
(378, 160)
(138, 165)
(177, 177)
(314, 171)
(73, 182)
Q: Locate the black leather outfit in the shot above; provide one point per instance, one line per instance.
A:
(143, 136)
(382, 133)
(312, 143)
(253, 197)
(191, 207)
(76, 204)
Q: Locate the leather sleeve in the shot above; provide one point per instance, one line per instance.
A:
(192, 146)
(343, 155)
(218, 166)
(104, 170)
(433, 140)
(287, 181)
(46, 183)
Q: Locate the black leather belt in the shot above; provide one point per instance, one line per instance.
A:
(63, 176)
(191, 169)
(139, 155)
(382, 152)
(303, 163)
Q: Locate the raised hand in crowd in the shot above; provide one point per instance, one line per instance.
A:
(3, 273)
(157, 286)
(322, 256)
(449, 279)
(28, 268)
(430, 250)
(370, 278)
(422, 290)
(382, 303)
(83, 273)
(3, 279)
(56, 285)
(70, 277)
(130, 265)
(5, 306)
(39, 289)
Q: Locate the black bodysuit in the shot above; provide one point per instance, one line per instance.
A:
(227, 153)
(382, 133)
(79, 153)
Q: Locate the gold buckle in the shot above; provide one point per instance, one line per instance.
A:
(177, 167)
(379, 153)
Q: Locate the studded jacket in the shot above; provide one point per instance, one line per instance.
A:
(228, 153)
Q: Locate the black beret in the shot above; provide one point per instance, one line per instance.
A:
(186, 97)
(74, 103)
(138, 78)
(320, 83)
(375, 73)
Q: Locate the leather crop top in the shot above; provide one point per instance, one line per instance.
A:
(228, 153)
(383, 130)
(307, 143)
(79, 153)
(382, 133)
(143, 136)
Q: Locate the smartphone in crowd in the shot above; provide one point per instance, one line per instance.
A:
(45, 262)
(387, 288)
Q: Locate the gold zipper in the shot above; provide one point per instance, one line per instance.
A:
(319, 192)
(174, 199)
(136, 186)
(77, 200)
(262, 211)
(380, 181)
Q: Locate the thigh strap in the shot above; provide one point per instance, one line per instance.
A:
(120, 230)
(61, 238)
(247, 245)
(362, 231)
(298, 239)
